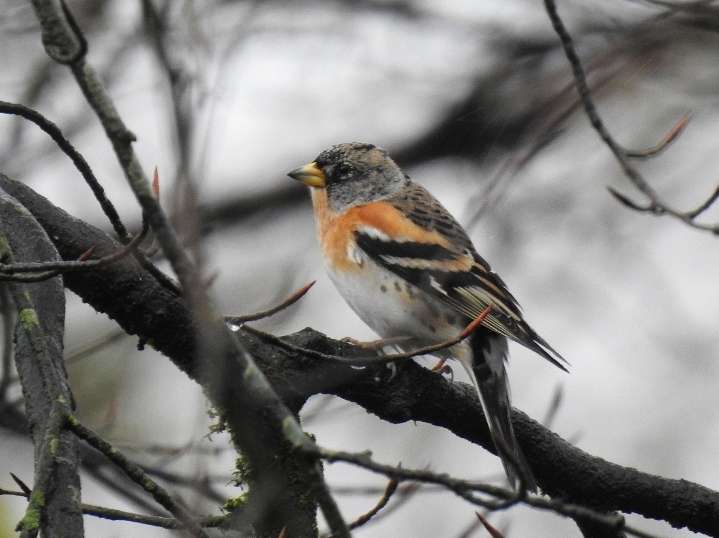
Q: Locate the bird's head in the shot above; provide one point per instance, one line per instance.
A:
(352, 174)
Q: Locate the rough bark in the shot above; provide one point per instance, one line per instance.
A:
(54, 507)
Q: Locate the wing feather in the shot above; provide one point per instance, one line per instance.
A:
(456, 276)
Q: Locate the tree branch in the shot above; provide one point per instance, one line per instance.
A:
(54, 507)
(137, 475)
(655, 205)
(562, 470)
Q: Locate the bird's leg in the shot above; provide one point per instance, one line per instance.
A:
(439, 367)
(442, 368)
(377, 345)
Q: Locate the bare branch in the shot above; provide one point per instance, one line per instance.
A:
(84, 168)
(468, 490)
(131, 517)
(386, 496)
(45, 270)
(289, 301)
(664, 143)
(655, 206)
(136, 474)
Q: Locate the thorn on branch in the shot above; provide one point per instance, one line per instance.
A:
(665, 142)
(156, 184)
(22, 485)
(85, 255)
(289, 301)
(493, 532)
(389, 490)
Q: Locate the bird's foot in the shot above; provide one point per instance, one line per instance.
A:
(376, 345)
(439, 367)
(442, 368)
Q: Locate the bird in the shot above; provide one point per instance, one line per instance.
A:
(410, 271)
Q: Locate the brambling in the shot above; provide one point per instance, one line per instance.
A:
(408, 269)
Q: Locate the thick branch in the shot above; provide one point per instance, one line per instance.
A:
(54, 508)
(562, 470)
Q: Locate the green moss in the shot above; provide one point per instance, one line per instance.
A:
(28, 318)
(72, 421)
(53, 445)
(242, 474)
(236, 502)
(4, 247)
(31, 519)
(218, 425)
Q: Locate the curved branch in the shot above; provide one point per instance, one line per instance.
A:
(54, 507)
(562, 470)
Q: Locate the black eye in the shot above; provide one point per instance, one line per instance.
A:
(344, 170)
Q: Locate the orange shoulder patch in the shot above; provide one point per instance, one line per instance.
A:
(391, 221)
(336, 230)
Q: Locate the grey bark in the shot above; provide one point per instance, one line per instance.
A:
(54, 507)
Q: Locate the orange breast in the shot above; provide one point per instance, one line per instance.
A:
(336, 230)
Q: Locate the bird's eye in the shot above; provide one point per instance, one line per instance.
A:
(344, 170)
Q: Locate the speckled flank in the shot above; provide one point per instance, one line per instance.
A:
(411, 290)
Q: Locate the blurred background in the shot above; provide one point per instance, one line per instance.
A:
(474, 100)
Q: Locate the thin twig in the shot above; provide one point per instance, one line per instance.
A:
(8, 271)
(154, 521)
(664, 143)
(374, 360)
(137, 475)
(54, 132)
(554, 404)
(289, 301)
(655, 205)
(330, 510)
(131, 517)
(704, 205)
(386, 496)
(467, 490)
(493, 532)
(590, 109)
(83, 167)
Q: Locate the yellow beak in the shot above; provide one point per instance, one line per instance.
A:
(309, 174)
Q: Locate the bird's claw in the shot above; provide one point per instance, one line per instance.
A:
(442, 368)
(375, 345)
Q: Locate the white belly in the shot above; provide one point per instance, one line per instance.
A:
(392, 307)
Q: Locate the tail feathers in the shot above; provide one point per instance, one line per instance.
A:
(539, 345)
(490, 380)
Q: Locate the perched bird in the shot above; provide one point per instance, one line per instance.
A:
(408, 269)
